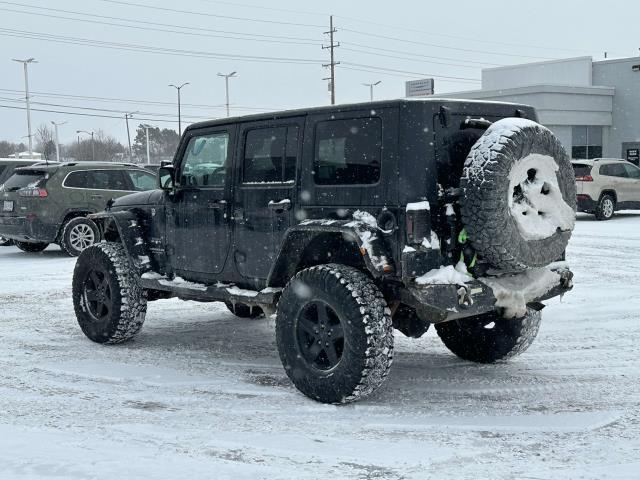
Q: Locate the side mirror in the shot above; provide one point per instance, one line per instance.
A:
(166, 177)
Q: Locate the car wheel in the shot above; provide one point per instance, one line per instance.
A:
(109, 303)
(606, 207)
(334, 333)
(31, 247)
(78, 234)
(244, 311)
(5, 242)
(491, 337)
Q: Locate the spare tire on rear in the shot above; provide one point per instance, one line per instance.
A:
(518, 195)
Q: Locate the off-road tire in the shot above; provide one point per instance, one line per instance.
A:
(606, 207)
(31, 247)
(5, 242)
(473, 338)
(244, 311)
(71, 239)
(485, 184)
(365, 318)
(129, 303)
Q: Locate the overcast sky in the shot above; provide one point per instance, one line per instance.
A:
(276, 49)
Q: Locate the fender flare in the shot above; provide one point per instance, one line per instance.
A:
(131, 236)
(366, 241)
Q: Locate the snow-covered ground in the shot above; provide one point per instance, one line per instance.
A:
(201, 394)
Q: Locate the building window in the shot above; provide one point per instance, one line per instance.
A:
(587, 142)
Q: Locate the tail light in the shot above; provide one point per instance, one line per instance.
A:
(418, 226)
(33, 192)
(584, 178)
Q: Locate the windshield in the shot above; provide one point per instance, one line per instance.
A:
(29, 178)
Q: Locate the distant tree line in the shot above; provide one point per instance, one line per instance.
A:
(162, 145)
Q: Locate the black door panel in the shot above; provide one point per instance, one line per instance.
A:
(265, 171)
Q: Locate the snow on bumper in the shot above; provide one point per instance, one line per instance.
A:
(511, 293)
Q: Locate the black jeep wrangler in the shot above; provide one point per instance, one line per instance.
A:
(348, 221)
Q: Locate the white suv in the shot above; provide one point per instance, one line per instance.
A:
(605, 185)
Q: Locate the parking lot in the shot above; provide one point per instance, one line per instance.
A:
(200, 392)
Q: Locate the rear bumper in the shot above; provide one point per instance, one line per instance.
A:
(586, 203)
(440, 303)
(25, 229)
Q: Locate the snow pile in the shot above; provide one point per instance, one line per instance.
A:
(418, 206)
(448, 275)
(539, 209)
(512, 292)
(364, 217)
(241, 292)
(434, 243)
(180, 282)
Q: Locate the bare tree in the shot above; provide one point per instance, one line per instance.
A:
(44, 135)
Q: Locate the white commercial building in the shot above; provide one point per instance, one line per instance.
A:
(592, 106)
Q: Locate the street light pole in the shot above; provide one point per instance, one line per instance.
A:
(93, 145)
(55, 125)
(146, 127)
(127, 116)
(178, 88)
(25, 63)
(226, 86)
(371, 85)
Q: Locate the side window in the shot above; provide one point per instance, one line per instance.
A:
(205, 162)
(632, 172)
(613, 170)
(142, 180)
(270, 155)
(76, 180)
(106, 180)
(348, 151)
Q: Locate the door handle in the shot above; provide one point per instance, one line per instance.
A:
(218, 205)
(279, 206)
(96, 196)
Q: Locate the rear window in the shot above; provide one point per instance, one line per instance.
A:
(581, 169)
(348, 151)
(29, 178)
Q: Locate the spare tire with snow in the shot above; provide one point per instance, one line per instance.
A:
(518, 195)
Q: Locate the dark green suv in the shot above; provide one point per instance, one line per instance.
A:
(44, 204)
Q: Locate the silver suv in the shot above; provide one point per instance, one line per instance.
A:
(605, 185)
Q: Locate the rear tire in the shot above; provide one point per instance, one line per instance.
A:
(78, 234)
(244, 311)
(31, 247)
(489, 338)
(606, 207)
(334, 333)
(109, 303)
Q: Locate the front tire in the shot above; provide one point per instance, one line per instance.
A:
(490, 337)
(78, 234)
(31, 247)
(606, 207)
(334, 333)
(109, 303)
(5, 242)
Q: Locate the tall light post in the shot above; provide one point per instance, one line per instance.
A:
(371, 85)
(25, 63)
(93, 145)
(178, 88)
(127, 116)
(226, 86)
(55, 126)
(146, 128)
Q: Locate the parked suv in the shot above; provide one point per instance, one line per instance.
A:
(605, 185)
(7, 166)
(44, 204)
(348, 221)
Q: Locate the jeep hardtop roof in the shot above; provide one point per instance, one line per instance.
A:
(345, 107)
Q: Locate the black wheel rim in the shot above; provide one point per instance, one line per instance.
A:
(320, 335)
(97, 295)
